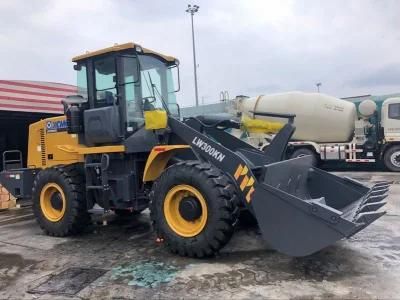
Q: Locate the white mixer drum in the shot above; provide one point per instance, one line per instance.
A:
(319, 117)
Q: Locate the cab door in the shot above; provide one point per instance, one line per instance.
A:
(102, 122)
(391, 119)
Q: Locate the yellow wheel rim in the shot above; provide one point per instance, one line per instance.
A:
(173, 216)
(50, 210)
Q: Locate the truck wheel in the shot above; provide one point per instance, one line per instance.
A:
(58, 201)
(303, 152)
(391, 158)
(194, 208)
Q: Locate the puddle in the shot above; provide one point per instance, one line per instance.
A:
(9, 260)
(145, 274)
(68, 282)
(11, 265)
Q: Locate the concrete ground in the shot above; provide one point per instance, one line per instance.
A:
(122, 261)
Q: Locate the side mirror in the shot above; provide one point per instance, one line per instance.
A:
(174, 79)
(174, 110)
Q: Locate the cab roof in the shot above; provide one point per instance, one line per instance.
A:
(392, 100)
(120, 47)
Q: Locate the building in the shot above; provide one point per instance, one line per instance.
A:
(25, 102)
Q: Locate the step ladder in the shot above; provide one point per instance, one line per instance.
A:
(104, 187)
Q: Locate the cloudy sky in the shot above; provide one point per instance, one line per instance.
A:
(246, 47)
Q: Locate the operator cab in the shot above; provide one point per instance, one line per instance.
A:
(116, 85)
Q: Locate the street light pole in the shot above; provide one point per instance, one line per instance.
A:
(192, 10)
(318, 85)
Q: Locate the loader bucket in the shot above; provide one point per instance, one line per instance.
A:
(301, 209)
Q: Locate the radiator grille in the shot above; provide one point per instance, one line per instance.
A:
(43, 146)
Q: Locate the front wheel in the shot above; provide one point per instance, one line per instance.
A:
(194, 208)
(391, 158)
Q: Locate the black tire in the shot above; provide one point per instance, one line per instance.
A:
(75, 218)
(246, 219)
(303, 152)
(391, 158)
(219, 194)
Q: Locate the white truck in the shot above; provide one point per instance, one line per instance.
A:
(328, 128)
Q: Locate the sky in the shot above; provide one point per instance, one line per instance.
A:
(245, 47)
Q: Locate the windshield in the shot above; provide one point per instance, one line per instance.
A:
(156, 80)
(156, 85)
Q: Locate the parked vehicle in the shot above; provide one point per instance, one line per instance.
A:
(330, 129)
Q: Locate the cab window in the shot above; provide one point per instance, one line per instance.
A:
(81, 81)
(105, 78)
(394, 111)
(130, 85)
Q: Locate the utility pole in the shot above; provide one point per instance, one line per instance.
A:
(318, 84)
(192, 10)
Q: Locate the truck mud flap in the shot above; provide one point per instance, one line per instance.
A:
(301, 209)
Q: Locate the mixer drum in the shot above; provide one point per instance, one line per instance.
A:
(319, 117)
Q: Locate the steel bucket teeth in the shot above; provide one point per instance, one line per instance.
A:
(372, 199)
(368, 207)
(378, 192)
(369, 217)
(367, 212)
(383, 183)
(380, 186)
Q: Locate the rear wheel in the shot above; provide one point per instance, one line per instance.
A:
(194, 208)
(58, 201)
(391, 158)
(303, 152)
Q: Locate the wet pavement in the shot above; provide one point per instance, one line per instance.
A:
(123, 261)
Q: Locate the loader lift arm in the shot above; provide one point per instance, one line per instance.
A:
(214, 126)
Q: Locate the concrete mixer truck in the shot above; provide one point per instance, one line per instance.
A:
(327, 128)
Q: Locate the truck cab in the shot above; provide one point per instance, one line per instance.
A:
(390, 123)
(390, 119)
(376, 139)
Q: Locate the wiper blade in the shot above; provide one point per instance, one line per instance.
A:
(151, 84)
(154, 88)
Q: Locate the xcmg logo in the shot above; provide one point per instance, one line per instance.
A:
(55, 126)
(210, 150)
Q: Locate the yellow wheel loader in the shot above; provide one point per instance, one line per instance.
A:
(122, 145)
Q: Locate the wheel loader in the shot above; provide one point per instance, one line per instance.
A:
(121, 145)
